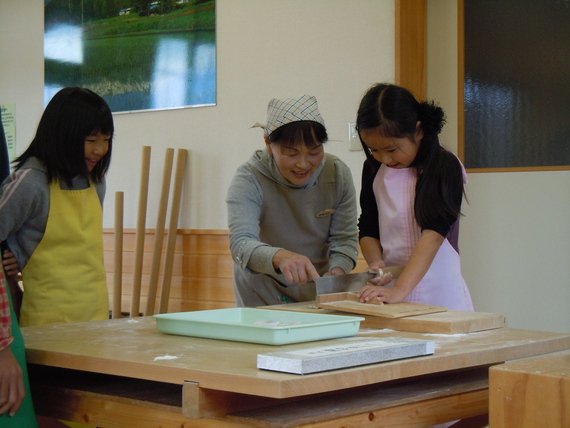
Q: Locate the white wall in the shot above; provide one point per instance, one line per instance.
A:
(333, 49)
(515, 237)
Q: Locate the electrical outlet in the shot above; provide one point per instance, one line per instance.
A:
(353, 139)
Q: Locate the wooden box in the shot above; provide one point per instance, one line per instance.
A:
(531, 393)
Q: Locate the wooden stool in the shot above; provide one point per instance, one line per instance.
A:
(534, 392)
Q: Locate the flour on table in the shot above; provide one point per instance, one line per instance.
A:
(166, 357)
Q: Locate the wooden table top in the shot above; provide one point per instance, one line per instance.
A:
(135, 348)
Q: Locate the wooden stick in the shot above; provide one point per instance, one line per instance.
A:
(172, 229)
(118, 270)
(159, 237)
(140, 234)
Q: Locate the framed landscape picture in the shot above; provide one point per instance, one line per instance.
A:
(137, 54)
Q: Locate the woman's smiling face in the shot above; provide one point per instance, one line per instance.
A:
(297, 163)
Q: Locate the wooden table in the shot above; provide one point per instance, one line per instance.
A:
(121, 373)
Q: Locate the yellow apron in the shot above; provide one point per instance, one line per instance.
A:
(64, 280)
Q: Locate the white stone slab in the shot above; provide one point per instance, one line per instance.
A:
(350, 353)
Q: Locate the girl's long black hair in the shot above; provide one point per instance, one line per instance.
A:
(72, 115)
(395, 112)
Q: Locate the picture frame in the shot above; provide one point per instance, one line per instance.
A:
(138, 55)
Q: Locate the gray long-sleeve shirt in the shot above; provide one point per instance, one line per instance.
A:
(244, 203)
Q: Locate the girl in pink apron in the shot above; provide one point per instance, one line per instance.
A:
(412, 189)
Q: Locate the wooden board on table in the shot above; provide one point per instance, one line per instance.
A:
(449, 322)
(349, 302)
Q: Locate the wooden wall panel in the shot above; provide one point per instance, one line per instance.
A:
(201, 271)
(411, 46)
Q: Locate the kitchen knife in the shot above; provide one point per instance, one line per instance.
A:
(351, 281)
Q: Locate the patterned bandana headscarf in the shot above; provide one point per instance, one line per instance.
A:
(287, 110)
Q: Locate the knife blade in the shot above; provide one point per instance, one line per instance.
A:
(351, 281)
(339, 283)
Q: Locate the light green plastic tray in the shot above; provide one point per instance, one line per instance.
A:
(265, 326)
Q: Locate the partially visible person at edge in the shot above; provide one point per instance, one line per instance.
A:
(411, 195)
(51, 211)
(16, 405)
(291, 210)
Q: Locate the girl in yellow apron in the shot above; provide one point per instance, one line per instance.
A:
(51, 211)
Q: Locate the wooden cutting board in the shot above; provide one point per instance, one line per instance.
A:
(349, 302)
(449, 322)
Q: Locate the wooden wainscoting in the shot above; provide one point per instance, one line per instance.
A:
(201, 272)
(202, 269)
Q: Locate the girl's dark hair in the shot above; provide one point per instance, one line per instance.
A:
(395, 112)
(311, 133)
(72, 115)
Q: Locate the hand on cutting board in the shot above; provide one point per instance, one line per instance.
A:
(11, 383)
(296, 267)
(381, 294)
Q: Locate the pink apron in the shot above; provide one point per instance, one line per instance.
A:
(443, 283)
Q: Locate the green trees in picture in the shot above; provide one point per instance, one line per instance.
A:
(137, 54)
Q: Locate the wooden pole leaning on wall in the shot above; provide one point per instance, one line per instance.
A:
(118, 271)
(159, 236)
(182, 154)
(140, 232)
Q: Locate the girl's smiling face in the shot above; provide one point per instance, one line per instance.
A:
(392, 152)
(96, 146)
(298, 163)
